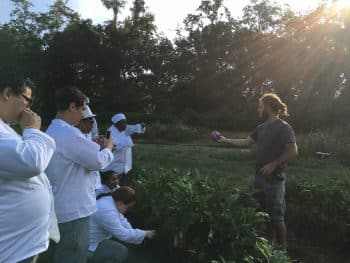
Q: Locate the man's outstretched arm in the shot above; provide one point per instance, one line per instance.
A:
(239, 143)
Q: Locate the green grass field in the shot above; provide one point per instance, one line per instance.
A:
(237, 165)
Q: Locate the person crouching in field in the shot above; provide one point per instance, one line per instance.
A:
(276, 145)
(109, 221)
(27, 217)
(110, 182)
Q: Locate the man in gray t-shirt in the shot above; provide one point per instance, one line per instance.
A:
(276, 145)
(271, 140)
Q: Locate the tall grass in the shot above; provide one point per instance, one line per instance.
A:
(334, 141)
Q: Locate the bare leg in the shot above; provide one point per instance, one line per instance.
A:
(280, 230)
(272, 233)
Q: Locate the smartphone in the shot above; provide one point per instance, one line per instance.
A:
(108, 134)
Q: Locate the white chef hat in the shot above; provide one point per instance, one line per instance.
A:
(88, 113)
(118, 117)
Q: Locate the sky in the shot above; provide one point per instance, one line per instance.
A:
(169, 14)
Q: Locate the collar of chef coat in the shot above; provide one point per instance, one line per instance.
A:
(6, 129)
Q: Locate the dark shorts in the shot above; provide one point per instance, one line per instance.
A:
(271, 197)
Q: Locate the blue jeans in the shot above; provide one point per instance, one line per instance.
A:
(74, 243)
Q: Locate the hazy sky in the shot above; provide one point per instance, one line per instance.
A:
(168, 13)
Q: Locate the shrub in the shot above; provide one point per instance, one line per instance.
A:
(199, 219)
(320, 209)
(170, 132)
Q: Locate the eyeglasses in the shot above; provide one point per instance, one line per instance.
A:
(90, 119)
(29, 101)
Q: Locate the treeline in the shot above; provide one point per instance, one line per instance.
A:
(210, 75)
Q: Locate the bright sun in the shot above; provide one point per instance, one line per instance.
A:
(341, 4)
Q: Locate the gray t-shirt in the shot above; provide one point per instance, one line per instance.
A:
(271, 139)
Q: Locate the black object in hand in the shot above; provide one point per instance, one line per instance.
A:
(108, 134)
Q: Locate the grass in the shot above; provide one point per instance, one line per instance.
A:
(237, 165)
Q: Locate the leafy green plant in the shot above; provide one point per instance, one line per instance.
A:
(199, 218)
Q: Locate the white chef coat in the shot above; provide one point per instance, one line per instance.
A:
(122, 162)
(95, 174)
(26, 200)
(108, 222)
(69, 171)
(103, 190)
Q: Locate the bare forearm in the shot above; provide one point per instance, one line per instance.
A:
(289, 154)
(239, 143)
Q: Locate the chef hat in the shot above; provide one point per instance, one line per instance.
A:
(88, 113)
(118, 117)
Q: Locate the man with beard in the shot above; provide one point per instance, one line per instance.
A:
(276, 145)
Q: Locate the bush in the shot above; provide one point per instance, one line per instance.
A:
(199, 219)
(320, 210)
(177, 132)
(334, 141)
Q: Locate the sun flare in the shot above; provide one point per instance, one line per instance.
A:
(342, 4)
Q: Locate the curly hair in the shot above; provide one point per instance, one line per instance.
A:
(275, 103)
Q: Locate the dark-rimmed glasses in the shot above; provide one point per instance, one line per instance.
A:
(29, 101)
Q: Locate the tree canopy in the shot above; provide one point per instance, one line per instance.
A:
(211, 74)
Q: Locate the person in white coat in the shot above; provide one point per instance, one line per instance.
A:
(109, 221)
(70, 174)
(110, 182)
(121, 132)
(86, 126)
(27, 215)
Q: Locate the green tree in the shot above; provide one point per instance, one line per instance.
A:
(116, 6)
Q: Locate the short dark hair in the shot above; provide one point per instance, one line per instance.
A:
(17, 86)
(68, 95)
(105, 176)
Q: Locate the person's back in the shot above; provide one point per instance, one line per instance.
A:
(109, 221)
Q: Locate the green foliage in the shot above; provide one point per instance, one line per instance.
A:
(199, 218)
(210, 75)
(334, 141)
(323, 204)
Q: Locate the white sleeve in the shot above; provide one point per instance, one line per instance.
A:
(87, 153)
(106, 158)
(94, 131)
(25, 158)
(109, 220)
(125, 223)
(131, 129)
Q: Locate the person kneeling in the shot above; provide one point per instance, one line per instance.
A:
(109, 221)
